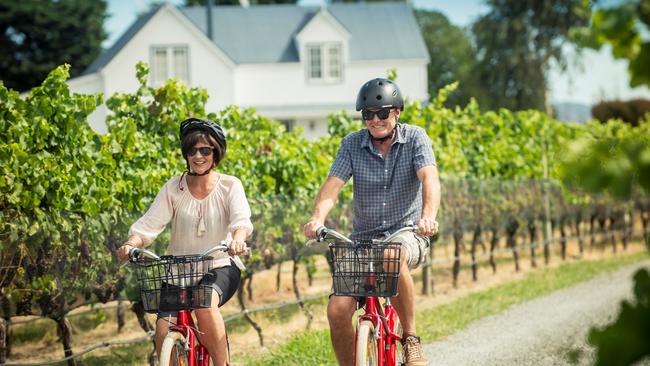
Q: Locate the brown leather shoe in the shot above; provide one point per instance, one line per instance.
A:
(413, 352)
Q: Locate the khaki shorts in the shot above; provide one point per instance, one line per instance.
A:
(416, 246)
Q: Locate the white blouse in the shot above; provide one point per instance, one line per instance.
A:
(197, 225)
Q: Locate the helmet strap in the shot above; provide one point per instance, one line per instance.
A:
(382, 140)
(189, 172)
(200, 175)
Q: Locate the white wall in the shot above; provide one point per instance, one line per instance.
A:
(313, 128)
(286, 84)
(91, 84)
(411, 75)
(169, 27)
(209, 68)
(323, 28)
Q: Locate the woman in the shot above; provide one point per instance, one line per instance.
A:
(204, 207)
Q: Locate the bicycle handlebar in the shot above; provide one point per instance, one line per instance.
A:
(221, 247)
(135, 253)
(323, 232)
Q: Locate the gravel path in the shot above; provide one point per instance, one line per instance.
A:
(540, 331)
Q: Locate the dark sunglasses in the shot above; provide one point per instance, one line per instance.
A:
(369, 115)
(205, 151)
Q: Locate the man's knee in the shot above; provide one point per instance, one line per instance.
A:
(340, 310)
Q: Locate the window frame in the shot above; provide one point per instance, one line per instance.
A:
(171, 71)
(326, 65)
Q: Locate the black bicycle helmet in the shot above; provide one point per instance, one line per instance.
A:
(193, 124)
(379, 93)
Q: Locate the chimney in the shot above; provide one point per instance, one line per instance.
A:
(208, 12)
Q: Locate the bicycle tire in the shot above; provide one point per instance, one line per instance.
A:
(173, 351)
(366, 352)
(399, 352)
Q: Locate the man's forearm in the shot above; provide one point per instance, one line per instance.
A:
(430, 194)
(326, 198)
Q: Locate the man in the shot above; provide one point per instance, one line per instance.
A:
(395, 181)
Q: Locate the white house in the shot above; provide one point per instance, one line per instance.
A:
(292, 63)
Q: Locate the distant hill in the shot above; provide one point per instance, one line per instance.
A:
(572, 112)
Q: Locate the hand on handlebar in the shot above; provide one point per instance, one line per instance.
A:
(123, 252)
(427, 226)
(310, 229)
(238, 248)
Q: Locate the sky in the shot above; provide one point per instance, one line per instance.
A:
(591, 77)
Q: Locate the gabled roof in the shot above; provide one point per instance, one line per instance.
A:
(381, 30)
(266, 33)
(108, 55)
(326, 17)
(257, 34)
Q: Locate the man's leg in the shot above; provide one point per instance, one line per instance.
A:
(412, 251)
(339, 313)
(404, 303)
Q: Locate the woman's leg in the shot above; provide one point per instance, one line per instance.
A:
(226, 282)
(162, 328)
(213, 331)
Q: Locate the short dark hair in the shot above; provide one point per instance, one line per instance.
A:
(194, 137)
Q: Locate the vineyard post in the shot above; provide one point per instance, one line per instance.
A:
(547, 206)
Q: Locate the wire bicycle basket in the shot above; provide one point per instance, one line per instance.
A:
(365, 269)
(174, 282)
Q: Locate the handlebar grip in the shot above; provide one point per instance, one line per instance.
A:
(321, 233)
(134, 254)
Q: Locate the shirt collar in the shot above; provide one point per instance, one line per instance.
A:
(365, 139)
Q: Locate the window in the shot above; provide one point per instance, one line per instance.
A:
(289, 124)
(324, 62)
(169, 62)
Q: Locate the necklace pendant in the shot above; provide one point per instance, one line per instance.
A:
(201, 228)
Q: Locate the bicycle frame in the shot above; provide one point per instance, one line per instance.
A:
(198, 356)
(384, 319)
(383, 316)
(197, 353)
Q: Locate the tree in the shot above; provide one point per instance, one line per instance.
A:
(452, 57)
(631, 111)
(623, 27)
(36, 36)
(516, 41)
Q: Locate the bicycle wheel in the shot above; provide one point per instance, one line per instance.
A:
(399, 353)
(366, 352)
(173, 351)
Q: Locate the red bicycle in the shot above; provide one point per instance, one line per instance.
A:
(369, 270)
(173, 283)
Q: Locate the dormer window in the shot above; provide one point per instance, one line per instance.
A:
(324, 62)
(169, 62)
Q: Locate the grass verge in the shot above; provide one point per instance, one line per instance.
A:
(313, 348)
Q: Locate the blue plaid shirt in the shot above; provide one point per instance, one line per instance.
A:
(387, 192)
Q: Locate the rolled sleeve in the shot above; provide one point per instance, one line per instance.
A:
(423, 152)
(153, 222)
(342, 166)
(240, 212)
